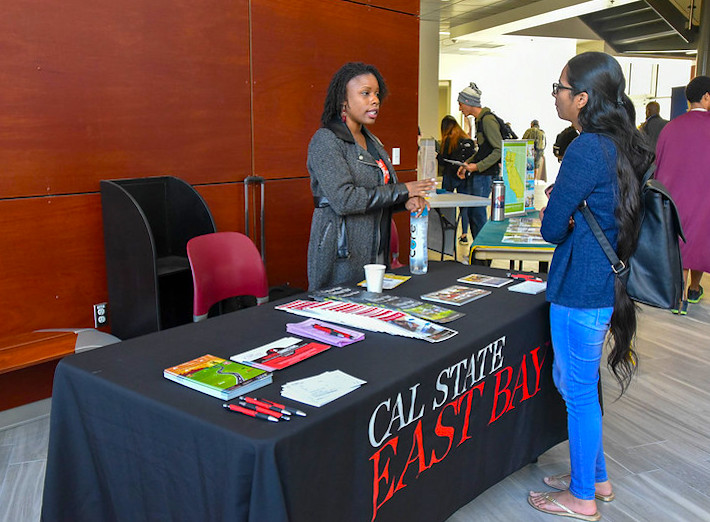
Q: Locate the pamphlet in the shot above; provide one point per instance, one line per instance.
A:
(321, 389)
(485, 280)
(371, 318)
(529, 287)
(325, 332)
(524, 230)
(426, 311)
(280, 354)
(390, 281)
(218, 377)
(456, 295)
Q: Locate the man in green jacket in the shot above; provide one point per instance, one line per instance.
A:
(484, 165)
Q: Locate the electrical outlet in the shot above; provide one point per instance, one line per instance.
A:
(100, 315)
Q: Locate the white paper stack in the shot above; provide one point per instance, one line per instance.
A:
(321, 389)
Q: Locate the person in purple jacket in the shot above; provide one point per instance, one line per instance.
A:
(603, 167)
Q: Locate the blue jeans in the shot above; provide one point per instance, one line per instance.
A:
(577, 340)
(481, 186)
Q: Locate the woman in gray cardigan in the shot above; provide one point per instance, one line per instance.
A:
(354, 184)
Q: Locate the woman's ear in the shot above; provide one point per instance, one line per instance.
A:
(581, 99)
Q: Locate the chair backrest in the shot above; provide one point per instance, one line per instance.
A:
(225, 264)
(394, 247)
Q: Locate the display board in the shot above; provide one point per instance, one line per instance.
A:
(514, 159)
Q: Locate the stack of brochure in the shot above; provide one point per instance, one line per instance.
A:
(321, 389)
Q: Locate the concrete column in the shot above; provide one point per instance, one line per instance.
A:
(429, 78)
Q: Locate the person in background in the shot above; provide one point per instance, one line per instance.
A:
(536, 134)
(456, 145)
(683, 166)
(485, 163)
(602, 167)
(354, 185)
(563, 140)
(654, 123)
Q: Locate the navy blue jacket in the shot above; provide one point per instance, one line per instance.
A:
(580, 274)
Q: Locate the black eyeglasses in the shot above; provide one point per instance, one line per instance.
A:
(557, 86)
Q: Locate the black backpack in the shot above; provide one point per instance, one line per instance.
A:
(654, 273)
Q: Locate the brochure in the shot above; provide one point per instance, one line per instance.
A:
(529, 287)
(426, 311)
(390, 281)
(280, 354)
(371, 318)
(456, 295)
(485, 280)
(325, 332)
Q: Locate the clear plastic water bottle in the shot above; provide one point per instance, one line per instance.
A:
(418, 260)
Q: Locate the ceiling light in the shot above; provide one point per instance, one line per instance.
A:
(444, 33)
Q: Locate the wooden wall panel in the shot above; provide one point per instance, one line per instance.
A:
(404, 6)
(52, 269)
(115, 89)
(226, 203)
(297, 46)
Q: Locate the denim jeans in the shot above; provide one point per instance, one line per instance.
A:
(481, 186)
(577, 340)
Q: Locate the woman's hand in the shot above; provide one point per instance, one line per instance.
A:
(416, 204)
(420, 188)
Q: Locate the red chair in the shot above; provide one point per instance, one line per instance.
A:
(394, 247)
(225, 264)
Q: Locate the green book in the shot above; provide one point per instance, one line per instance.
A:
(218, 377)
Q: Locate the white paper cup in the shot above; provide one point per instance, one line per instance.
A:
(374, 275)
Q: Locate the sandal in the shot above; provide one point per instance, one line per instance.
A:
(561, 483)
(566, 512)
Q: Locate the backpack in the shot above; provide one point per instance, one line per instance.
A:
(654, 273)
(505, 131)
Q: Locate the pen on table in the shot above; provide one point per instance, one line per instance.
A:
(251, 413)
(527, 277)
(290, 410)
(265, 409)
(331, 331)
(264, 404)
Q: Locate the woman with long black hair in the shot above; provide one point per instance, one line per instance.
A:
(603, 167)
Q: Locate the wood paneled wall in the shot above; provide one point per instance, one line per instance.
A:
(209, 91)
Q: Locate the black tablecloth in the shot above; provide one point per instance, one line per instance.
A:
(435, 425)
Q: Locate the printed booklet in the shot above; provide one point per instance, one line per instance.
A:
(389, 281)
(485, 280)
(218, 377)
(280, 354)
(456, 295)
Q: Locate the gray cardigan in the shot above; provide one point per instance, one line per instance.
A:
(353, 206)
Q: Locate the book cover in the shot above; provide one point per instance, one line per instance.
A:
(456, 295)
(485, 280)
(218, 377)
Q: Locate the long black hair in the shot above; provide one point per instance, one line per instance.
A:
(337, 92)
(610, 112)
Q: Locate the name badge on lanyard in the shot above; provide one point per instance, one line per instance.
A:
(385, 171)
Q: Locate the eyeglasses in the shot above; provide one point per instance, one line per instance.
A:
(557, 86)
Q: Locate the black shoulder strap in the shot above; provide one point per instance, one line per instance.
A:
(617, 265)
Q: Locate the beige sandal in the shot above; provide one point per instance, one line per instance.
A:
(561, 483)
(566, 512)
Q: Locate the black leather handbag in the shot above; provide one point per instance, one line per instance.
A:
(653, 274)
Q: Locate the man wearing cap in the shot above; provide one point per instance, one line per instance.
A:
(536, 134)
(485, 163)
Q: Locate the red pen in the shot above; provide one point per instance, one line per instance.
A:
(251, 413)
(526, 277)
(330, 331)
(290, 410)
(263, 404)
(266, 411)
